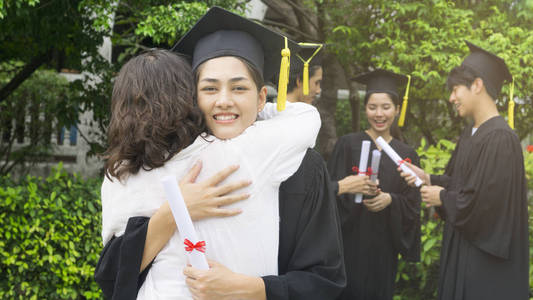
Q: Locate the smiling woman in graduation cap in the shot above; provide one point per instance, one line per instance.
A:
(230, 58)
(483, 193)
(387, 222)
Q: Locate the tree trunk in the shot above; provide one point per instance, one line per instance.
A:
(355, 104)
(333, 78)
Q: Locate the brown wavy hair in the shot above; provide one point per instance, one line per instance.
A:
(154, 114)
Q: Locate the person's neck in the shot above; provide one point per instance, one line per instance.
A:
(293, 96)
(486, 111)
(374, 135)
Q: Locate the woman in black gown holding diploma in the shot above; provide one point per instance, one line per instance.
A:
(387, 223)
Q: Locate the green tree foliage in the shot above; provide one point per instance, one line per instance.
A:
(425, 39)
(52, 34)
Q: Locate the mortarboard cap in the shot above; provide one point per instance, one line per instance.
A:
(491, 68)
(222, 33)
(382, 81)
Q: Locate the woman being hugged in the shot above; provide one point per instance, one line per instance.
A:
(267, 144)
(387, 222)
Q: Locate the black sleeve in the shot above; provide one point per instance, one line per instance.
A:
(339, 165)
(405, 219)
(117, 271)
(311, 264)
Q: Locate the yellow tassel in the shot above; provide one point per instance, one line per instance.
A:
(510, 113)
(401, 121)
(306, 79)
(283, 76)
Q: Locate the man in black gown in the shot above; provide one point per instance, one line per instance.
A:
(310, 259)
(483, 193)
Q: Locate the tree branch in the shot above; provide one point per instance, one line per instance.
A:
(281, 25)
(303, 13)
(26, 72)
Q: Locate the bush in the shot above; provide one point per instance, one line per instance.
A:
(50, 238)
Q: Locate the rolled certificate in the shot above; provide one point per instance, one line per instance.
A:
(193, 246)
(376, 157)
(397, 159)
(363, 162)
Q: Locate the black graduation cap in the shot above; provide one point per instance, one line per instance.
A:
(490, 67)
(222, 33)
(382, 81)
(309, 52)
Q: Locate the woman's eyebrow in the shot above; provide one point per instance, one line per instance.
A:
(213, 80)
(235, 79)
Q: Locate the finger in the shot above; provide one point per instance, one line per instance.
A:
(220, 176)
(193, 172)
(191, 272)
(224, 212)
(212, 263)
(226, 200)
(230, 187)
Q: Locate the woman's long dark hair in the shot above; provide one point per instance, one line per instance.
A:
(395, 131)
(153, 113)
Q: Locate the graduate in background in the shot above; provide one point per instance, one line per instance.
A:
(304, 81)
(386, 223)
(482, 195)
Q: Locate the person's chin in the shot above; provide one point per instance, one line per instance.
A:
(380, 129)
(227, 133)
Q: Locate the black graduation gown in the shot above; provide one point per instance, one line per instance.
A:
(485, 243)
(371, 240)
(310, 260)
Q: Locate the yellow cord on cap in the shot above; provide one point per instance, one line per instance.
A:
(305, 78)
(283, 76)
(511, 106)
(401, 121)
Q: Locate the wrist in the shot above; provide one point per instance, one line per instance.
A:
(168, 216)
(341, 189)
(253, 287)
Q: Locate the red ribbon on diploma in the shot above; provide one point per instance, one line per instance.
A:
(368, 172)
(200, 246)
(404, 161)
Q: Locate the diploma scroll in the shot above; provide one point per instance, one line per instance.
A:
(397, 159)
(194, 247)
(363, 162)
(376, 157)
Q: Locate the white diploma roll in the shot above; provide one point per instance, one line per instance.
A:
(376, 157)
(363, 162)
(397, 159)
(183, 221)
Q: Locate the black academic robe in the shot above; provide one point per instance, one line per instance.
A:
(310, 260)
(485, 243)
(373, 240)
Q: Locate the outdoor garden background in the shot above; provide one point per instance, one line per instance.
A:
(50, 234)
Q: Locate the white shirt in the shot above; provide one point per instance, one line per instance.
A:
(268, 152)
